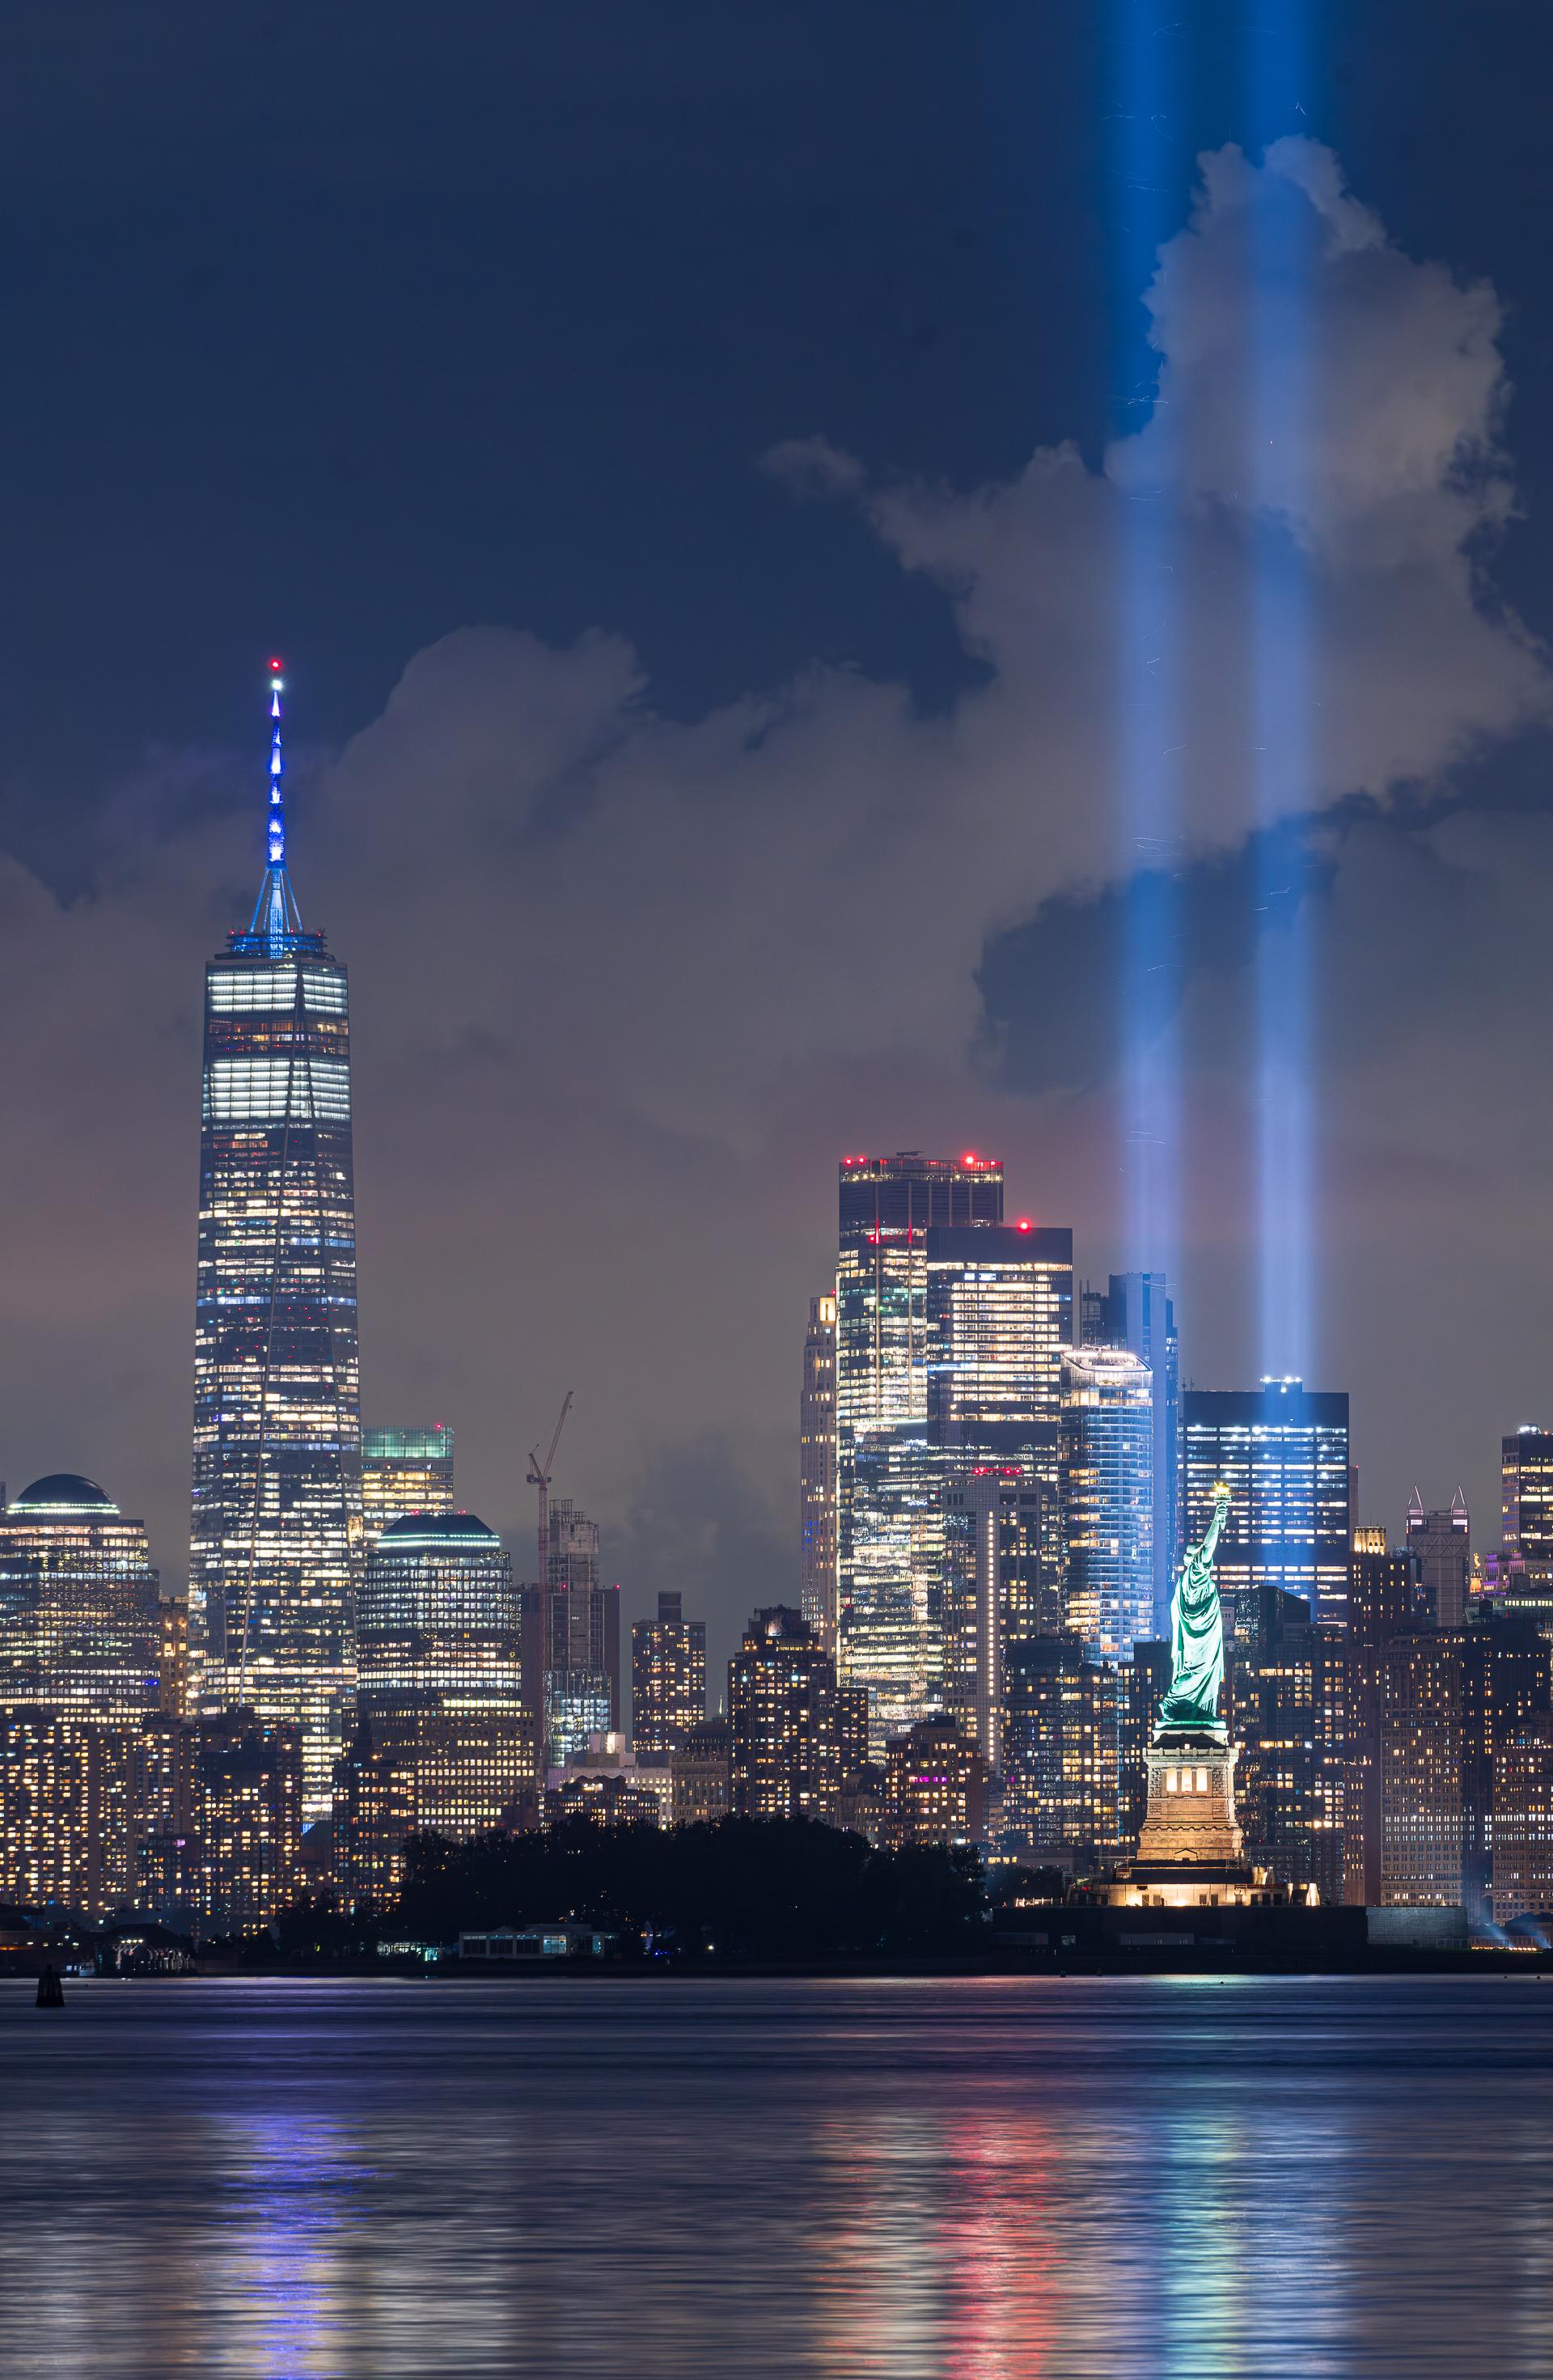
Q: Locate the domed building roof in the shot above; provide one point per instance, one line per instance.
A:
(63, 1491)
(440, 1527)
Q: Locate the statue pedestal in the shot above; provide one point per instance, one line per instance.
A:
(1190, 1852)
(1191, 1813)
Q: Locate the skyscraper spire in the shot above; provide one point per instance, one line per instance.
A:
(276, 1514)
(275, 914)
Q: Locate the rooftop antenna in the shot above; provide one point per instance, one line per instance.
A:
(275, 914)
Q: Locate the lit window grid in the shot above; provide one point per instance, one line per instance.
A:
(1527, 1496)
(889, 1637)
(438, 1620)
(65, 1812)
(782, 1724)
(668, 1681)
(404, 1472)
(1289, 1518)
(1420, 1813)
(817, 1472)
(276, 1276)
(1061, 1742)
(997, 1335)
(1105, 1441)
(80, 1618)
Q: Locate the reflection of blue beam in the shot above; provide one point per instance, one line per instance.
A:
(1147, 665)
(1281, 265)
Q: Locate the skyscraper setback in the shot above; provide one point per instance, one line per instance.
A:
(277, 1434)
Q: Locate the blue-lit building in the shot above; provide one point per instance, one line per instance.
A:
(277, 1433)
(1136, 1310)
(1106, 1459)
(1283, 1451)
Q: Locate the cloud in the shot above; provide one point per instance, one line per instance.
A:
(813, 466)
(624, 986)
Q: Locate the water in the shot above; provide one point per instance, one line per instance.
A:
(980, 2178)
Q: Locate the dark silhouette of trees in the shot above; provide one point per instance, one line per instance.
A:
(741, 1889)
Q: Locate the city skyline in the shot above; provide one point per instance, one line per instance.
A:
(950, 1242)
(776, 1349)
(480, 794)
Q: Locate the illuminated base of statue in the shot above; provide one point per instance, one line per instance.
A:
(1191, 1814)
(1190, 1852)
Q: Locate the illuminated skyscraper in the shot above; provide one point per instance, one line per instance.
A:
(1442, 1542)
(404, 1471)
(66, 1803)
(1106, 1435)
(887, 1207)
(437, 1625)
(790, 1727)
(571, 1640)
(1061, 1753)
(1283, 1451)
(998, 1590)
(80, 1623)
(277, 1436)
(1135, 1311)
(887, 1632)
(1526, 1509)
(1000, 1321)
(817, 1472)
(668, 1677)
(445, 1743)
(1292, 1710)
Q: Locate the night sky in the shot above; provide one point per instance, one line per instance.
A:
(683, 453)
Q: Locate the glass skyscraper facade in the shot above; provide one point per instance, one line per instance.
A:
(1135, 1311)
(438, 1624)
(1000, 1320)
(1106, 1435)
(80, 1623)
(277, 1434)
(445, 1741)
(1282, 1450)
(404, 1471)
(889, 1522)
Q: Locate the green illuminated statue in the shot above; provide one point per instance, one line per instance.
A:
(1197, 1633)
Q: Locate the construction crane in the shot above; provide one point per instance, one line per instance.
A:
(540, 1476)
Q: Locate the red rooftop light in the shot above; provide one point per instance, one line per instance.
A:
(1022, 1224)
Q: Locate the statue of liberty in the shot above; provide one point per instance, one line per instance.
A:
(1197, 1635)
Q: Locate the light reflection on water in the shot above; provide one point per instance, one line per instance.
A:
(964, 2180)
